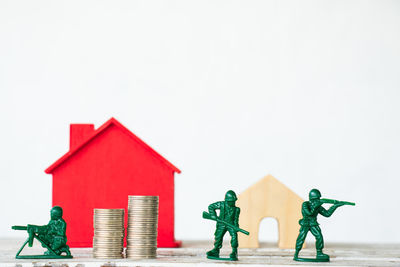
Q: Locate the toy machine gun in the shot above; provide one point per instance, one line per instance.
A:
(334, 201)
(208, 216)
(34, 231)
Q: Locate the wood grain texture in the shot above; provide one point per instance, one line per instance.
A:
(193, 254)
(269, 198)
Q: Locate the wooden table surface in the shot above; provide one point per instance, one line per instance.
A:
(193, 254)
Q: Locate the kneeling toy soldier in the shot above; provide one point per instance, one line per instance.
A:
(51, 236)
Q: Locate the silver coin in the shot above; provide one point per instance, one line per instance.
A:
(141, 233)
(108, 219)
(115, 233)
(142, 203)
(106, 249)
(141, 245)
(138, 198)
(105, 237)
(109, 237)
(142, 227)
(107, 256)
(147, 221)
(139, 226)
(141, 251)
(141, 210)
(109, 228)
(130, 245)
(103, 232)
(147, 230)
(142, 236)
(111, 216)
(105, 222)
(152, 241)
(108, 245)
(108, 242)
(110, 248)
(144, 215)
(110, 234)
(142, 240)
(134, 254)
(142, 218)
(144, 231)
(97, 211)
(133, 206)
(116, 216)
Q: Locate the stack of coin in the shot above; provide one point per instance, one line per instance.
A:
(108, 239)
(142, 227)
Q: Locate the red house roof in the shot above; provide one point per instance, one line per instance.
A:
(110, 122)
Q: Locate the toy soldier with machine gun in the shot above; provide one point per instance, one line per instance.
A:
(310, 209)
(228, 220)
(51, 236)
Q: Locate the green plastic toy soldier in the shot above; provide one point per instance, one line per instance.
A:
(227, 221)
(310, 209)
(51, 236)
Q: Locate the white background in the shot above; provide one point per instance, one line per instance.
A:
(228, 91)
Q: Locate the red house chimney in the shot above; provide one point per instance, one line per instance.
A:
(79, 133)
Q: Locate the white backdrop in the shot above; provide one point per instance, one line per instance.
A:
(228, 91)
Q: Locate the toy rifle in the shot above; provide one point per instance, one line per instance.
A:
(25, 228)
(334, 201)
(208, 216)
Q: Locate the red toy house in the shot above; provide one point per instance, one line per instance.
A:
(101, 169)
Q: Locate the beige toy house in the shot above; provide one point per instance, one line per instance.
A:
(269, 198)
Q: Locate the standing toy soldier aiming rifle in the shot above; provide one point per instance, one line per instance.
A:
(310, 209)
(51, 236)
(227, 221)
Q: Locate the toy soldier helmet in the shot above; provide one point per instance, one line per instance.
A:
(230, 196)
(57, 211)
(314, 194)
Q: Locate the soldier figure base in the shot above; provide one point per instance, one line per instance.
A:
(51, 254)
(221, 259)
(318, 258)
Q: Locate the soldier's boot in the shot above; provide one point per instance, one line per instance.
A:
(296, 254)
(233, 255)
(213, 253)
(66, 250)
(321, 255)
